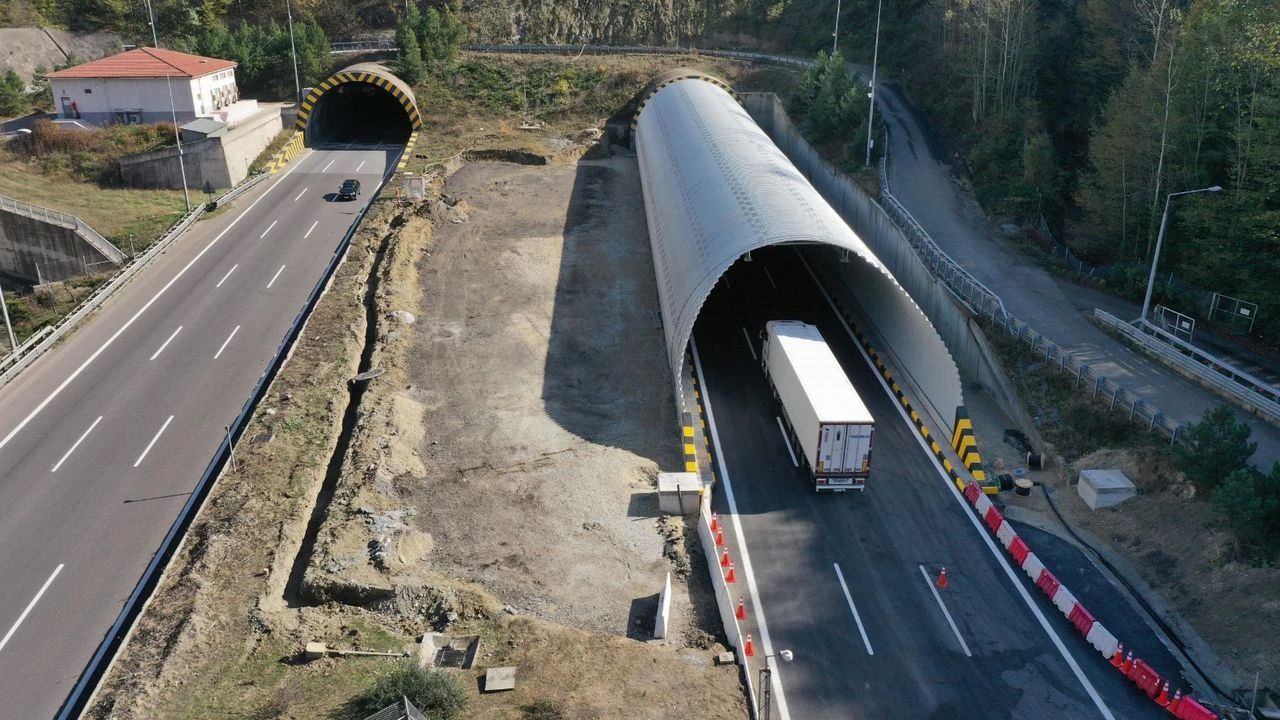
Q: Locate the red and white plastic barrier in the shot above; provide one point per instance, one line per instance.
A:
(1136, 670)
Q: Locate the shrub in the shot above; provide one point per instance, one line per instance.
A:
(437, 694)
(1215, 447)
(1250, 503)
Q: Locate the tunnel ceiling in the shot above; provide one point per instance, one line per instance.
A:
(365, 98)
(715, 188)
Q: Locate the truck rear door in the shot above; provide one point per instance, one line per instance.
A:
(857, 449)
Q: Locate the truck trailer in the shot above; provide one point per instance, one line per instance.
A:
(828, 424)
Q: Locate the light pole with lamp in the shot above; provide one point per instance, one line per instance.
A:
(875, 57)
(1155, 258)
(835, 36)
(297, 84)
(4, 309)
(766, 677)
(173, 110)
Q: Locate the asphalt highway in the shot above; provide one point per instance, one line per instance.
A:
(847, 581)
(102, 440)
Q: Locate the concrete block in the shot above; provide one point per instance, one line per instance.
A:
(679, 493)
(500, 678)
(664, 611)
(1104, 488)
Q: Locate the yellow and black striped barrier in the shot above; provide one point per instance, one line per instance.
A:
(689, 442)
(975, 469)
(965, 443)
(373, 78)
(408, 152)
(291, 150)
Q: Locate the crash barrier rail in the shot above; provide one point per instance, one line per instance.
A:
(361, 46)
(723, 581)
(1089, 627)
(86, 686)
(1208, 369)
(16, 362)
(66, 220)
(985, 303)
(239, 190)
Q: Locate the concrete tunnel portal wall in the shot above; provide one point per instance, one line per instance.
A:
(716, 188)
(362, 101)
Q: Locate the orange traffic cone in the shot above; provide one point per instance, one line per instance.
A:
(724, 558)
(942, 578)
(1128, 663)
(750, 648)
(1163, 699)
(719, 539)
(741, 612)
(1118, 659)
(715, 523)
(730, 577)
(1177, 700)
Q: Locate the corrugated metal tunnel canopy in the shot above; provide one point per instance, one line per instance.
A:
(715, 188)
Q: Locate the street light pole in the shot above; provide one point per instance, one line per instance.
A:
(297, 85)
(4, 309)
(875, 57)
(1155, 257)
(835, 36)
(173, 110)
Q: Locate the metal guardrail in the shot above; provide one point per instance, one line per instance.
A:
(338, 48)
(24, 346)
(66, 220)
(86, 685)
(239, 190)
(1223, 377)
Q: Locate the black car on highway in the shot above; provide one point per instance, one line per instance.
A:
(350, 190)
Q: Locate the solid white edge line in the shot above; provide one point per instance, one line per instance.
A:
(746, 336)
(264, 232)
(965, 509)
(164, 345)
(76, 444)
(933, 589)
(226, 342)
(856, 617)
(770, 276)
(765, 640)
(275, 277)
(313, 227)
(304, 192)
(102, 348)
(151, 444)
(5, 640)
(224, 277)
(786, 441)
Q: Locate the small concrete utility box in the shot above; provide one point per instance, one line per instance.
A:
(1104, 488)
(679, 493)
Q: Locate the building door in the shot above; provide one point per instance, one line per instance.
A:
(66, 107)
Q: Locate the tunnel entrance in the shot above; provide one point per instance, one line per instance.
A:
(363, 104)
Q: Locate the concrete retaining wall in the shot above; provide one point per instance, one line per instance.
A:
(221, 162)
(951, 319)
(37, 251)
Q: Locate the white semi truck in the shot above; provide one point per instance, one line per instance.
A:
(827, 422)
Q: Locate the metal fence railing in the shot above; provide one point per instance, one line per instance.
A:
(1221, 376)
(66, 220)
(361, 46)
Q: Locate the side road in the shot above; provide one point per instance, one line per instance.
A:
(922, 181)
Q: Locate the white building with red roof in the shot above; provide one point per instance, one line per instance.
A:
(134, 87)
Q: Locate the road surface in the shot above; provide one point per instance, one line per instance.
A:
(976, 649)
(102, 440)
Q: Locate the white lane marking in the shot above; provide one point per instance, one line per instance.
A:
(304, 192)
(76, 444)
(273, 277)
(313, 227)
(856, 617)
(749, 345)
(326, 167)
(362, 162)
(151, 444)
(165, 344)
(224, 277)
(765, 640)
(264, 232)
(128, 323)
(967, 512)
(226, 342)
(5, 640)
(770, 276)
(933, 589)
(786, 441)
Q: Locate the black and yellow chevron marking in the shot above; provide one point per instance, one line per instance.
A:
(687, 441)
(669, 81)
(289, 151)
(329, 83)
(408, 152)
(690, 435)
(916, 419)
(965, 443)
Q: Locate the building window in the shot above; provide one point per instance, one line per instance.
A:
(88, 91)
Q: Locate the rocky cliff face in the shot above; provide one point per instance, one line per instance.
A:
(614, 22)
